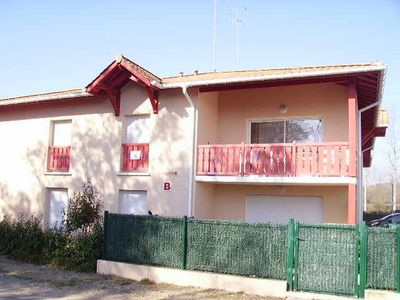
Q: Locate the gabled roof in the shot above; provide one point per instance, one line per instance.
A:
(368, 78)
(119, 73)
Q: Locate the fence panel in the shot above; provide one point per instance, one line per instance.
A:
(144, 240)
(237, 248)
(382, 258)
(327, 259)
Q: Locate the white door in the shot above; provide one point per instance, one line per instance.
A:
(57, 204)
(280, 209)
(138, 129)
(133, 202)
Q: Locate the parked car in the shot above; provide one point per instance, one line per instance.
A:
(386, 221)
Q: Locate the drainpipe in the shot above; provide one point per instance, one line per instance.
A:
(192, 156)
(192, 152)
(360, 162)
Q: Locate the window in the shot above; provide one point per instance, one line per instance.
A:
(138, 129)
(135, 149)
(61, 133)
(60, 146)
(286, 131)
(56, 204)
(133, 202)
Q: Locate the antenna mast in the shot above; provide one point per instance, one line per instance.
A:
(215, 36)
(238, 20)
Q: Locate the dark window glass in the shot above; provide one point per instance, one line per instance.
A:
(304, 131)
(267, 132)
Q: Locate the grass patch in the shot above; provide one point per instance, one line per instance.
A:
(63, 283)
(146, 281)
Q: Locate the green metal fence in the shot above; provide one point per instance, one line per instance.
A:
(237, 248)
(143, 239)
(382, 269)
(327, 259)
(337, 259)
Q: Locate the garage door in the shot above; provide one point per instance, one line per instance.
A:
(280, 209)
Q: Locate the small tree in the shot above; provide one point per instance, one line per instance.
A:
(393, 155)
(84, 209)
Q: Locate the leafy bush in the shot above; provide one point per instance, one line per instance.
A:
(84, 209)
(82, 251)
(76, 246)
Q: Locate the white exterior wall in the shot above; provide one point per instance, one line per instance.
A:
(95, 152)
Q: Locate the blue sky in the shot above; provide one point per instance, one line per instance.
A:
(54, 45)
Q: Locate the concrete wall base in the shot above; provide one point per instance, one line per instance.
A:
(231, 283)
(381, 295)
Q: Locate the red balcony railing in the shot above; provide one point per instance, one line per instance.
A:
(59, 158)
(135, 157)
(289, 159)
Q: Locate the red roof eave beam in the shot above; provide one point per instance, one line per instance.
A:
(277, 82)
(375, 132)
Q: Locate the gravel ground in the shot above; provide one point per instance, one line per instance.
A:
(26, 281)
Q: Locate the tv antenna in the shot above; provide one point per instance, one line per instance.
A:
(237, 19)
(215, 36)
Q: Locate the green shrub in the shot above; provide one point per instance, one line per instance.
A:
(82, 251)
(76, 246)
(84, 209)
(22, 239)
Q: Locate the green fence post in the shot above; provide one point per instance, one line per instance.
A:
(290, 255)
(398, 258)
(105, 234)
(363, 259)
(296, 255)
(184, 242)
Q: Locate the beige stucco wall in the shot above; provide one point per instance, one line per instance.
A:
(327, 101)
(229, 201)
(96, 144)
(95, 148)
(223, 119)
(207, 118)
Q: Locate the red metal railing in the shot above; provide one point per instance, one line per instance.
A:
(288, 159)
(135, 157)
(59, 158)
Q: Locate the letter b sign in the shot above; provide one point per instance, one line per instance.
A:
(167, 186)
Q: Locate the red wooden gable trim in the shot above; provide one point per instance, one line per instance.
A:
(115, 99)
(135, 73)
(115, 76)
(153, 96)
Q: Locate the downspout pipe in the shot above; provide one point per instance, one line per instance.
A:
(360, 161)
(192, 156)
(192, 152)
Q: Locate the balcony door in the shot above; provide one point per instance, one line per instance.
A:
(286, 131)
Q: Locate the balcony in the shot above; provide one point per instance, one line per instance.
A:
(135, 157)
(59, 158)
(274, 160)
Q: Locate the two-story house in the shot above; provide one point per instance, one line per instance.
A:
(259, 145)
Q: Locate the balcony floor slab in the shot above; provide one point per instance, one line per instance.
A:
(300, 180)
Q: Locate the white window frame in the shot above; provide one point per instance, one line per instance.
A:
(126, 123)
(120, 199)
(47, 201)
(263, 120)
(52, 130)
